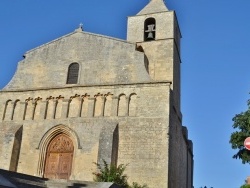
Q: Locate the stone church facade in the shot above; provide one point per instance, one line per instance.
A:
(85, 97)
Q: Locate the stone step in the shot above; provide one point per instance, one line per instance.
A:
(10, 179)
(78, 184)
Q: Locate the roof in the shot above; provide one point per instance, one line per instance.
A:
(154, 6)
(74, 32)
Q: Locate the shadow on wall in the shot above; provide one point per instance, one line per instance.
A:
(77, 185)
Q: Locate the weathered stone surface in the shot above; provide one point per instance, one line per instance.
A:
(47, 65)
(124, 108)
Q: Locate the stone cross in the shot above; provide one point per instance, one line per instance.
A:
(80, 25)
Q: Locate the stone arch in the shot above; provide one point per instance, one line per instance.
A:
(98, 108)
(29, 109)
(37, 109)
(58, 108)
(122, 105)
(84, 105)
(48, 137)
(59, 157)
(16, 115)
(108, 105)
(50, 108)
(74, 106)
(8, 109)
(132, 104)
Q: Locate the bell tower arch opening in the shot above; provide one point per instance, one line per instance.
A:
(149, 29)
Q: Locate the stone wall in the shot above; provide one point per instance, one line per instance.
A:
(180, 153)
(126, 124)
(123, 106)
(47, 65)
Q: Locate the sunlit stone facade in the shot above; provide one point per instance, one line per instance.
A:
(86, 97)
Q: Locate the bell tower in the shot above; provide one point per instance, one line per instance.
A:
(156, 32)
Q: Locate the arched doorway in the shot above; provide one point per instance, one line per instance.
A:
(59, 157)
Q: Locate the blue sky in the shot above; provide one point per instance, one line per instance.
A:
(215, 68)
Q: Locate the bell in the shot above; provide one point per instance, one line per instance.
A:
(150, 35)
(151, 27)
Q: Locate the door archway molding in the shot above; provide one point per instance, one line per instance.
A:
(46, 139)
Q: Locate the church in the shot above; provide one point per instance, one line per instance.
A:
(84, 98)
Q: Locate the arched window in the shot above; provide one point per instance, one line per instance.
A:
(73, 73)
(149, 29)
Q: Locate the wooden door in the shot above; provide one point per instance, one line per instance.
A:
(59, 158)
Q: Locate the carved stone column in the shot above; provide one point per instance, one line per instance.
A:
(84, 105)
(22, 110)
(91, 106)
(43, 110)
(104, 104)
(65, 108)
